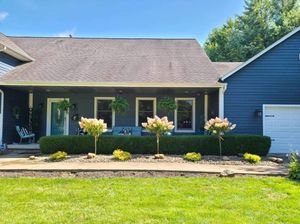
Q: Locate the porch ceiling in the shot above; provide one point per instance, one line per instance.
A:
(113, 90)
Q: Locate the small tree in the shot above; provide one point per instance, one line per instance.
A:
(158, 126)
(93, 127)
(219, 127)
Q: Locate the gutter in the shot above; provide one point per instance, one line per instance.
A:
(3, 48)
(93, 84)
(15, 54)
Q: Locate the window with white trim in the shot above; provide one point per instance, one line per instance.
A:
(145, 107)
(185, 115)
(104, 111)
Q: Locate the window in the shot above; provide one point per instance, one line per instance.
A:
(145, 107)
(185, 115)
(104, 111)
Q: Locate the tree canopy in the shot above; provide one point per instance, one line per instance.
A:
(262, 23)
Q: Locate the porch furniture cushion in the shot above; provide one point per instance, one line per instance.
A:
(125, 130)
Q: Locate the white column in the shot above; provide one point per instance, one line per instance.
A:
(30, 100)
(30, 106)
(205, 107)
(221, 100)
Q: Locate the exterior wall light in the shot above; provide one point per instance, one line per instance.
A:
(258, 113)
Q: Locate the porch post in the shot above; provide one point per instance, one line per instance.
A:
(221, 100)
(205, 107)
(30, 107)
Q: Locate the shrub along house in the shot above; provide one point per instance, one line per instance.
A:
(262, 95)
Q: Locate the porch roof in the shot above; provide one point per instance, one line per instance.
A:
(112, 62)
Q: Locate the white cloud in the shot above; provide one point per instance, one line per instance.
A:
(66, 33)
(3, 16)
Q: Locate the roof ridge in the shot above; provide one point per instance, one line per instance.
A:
(116, 38)
(227, 62)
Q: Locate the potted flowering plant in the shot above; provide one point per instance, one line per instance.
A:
(219, 127)
(167, 104)
(119, 105)
(64, 105)
(93, 127)
(158, 126)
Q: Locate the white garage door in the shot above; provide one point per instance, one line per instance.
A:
(282, 124)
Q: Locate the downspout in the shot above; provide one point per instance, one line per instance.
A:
(221, 99)
(2, 49)
(1, 115)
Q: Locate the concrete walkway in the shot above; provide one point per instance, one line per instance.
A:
(19, 163)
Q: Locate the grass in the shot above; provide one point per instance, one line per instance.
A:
(150, 200)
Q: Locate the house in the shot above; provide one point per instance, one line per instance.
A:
(261, 95)
(38, 72)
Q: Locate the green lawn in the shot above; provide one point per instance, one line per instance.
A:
(150, 200)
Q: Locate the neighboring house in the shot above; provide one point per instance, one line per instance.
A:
(90, 72)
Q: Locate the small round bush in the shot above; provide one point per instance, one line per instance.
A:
(60, 155)
(252, 158)
(119, 154)
(294, 167)
(192, 156)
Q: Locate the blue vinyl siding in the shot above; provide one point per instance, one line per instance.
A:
(273, 78)
(7, 63)
(85, 107)
(13, 98)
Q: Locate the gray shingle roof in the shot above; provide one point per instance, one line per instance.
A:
(105, 61)
(15, 49)
(225, 67)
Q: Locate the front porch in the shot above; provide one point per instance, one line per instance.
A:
(41, 115)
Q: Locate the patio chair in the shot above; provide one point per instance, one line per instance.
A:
(24, 134)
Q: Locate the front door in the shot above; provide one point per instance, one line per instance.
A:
(57, 120)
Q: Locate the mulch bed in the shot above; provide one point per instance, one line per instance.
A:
(213, 160)
(106, 174)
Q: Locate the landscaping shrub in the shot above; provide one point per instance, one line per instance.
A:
(252, 158)
(294, 167)
(192, 156)
(121, 155)
(204, 144)
(60, 155)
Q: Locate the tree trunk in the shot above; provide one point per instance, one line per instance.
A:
(220, 144)
(157, 143)
(96, 139)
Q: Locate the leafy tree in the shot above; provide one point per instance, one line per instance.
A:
(261, 24)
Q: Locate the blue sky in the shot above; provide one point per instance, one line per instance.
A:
(116, 18)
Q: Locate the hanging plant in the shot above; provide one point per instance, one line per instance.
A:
(64, 105)
(119, 104)
(167, 104)
(16, 111)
